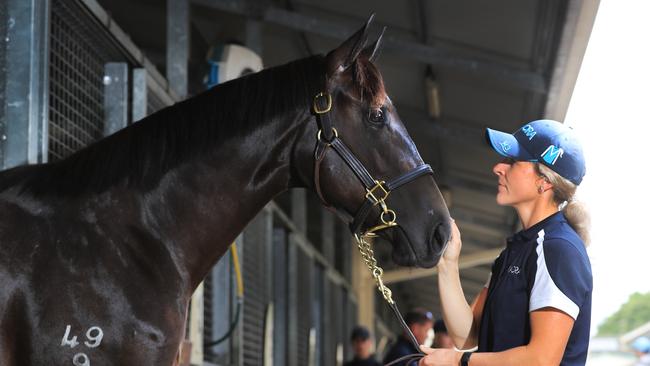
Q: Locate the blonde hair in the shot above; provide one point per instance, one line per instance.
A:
(575, 211)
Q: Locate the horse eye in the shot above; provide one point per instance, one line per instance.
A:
(376, 116)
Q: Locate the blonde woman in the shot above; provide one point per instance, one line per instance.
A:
(536, 307)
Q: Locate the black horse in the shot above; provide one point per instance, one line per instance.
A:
(100, 252)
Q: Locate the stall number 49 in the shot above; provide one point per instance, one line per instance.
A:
(94, 337)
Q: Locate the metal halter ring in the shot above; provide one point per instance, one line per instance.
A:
(334, 131)
(329, 103)
(393, 218)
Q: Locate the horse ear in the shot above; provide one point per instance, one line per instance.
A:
(339, 59)
(372, 51)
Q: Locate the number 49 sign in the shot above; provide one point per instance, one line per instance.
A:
(94, 337)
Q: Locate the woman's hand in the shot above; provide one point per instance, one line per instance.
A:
(440, 357)
(453, 246)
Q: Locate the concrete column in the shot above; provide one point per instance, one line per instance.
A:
(139, 94)
(178, 45)
(116, 94)
(24, 89)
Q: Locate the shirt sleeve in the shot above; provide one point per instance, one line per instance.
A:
(563, 276)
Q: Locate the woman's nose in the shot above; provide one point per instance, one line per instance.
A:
(499, 169)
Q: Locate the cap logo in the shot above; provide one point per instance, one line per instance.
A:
(505, 146)
(529, 131)
(552, 153)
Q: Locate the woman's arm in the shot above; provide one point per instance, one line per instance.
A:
(550, 331)
(461, 319)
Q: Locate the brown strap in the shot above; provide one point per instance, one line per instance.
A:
(319, 155)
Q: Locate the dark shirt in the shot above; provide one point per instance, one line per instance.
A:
(544, 266)
(370, 361)
(402, 347)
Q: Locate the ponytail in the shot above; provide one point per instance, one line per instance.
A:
(575, 212)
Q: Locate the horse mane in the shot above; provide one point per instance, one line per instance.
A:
(141, 153)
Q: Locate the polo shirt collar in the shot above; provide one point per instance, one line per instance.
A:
(531, 233)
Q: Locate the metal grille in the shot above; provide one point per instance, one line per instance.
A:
(256, 289)
(79, 48)
(304, 306)
(335, 320)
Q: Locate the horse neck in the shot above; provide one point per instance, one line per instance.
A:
(202, 205)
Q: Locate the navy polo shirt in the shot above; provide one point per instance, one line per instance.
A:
(545, 265)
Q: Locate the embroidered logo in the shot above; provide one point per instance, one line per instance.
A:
(505, 146)
(552, 153)
(529, 131)
(514, 270)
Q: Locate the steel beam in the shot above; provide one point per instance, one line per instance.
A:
(116, 94)
(24, 89)
(471, 260)
(580, 18)
(524, 79)
(178, 45)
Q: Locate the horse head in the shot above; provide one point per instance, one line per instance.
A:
(366, 165)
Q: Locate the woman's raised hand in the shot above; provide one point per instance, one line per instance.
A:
(440, 357)
(453, 246)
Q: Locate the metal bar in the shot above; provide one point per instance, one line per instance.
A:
(518, 77)
(471, 260)
(293, 310)
(280, 296)
(116, 93)
(309, 249)
(139, 94)
(299, 209)
(25, 88)
(178, 40)
(156, 81)
(327, 236)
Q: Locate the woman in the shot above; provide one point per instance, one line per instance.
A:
(536, 306)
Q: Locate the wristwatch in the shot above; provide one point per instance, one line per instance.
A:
(464, 359)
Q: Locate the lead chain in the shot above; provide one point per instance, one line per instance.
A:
(368, 256)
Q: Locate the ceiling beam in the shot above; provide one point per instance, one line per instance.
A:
(517, 77)
(467, 261)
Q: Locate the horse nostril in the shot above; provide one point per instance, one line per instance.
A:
(439, 237)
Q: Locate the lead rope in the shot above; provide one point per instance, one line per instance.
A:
(368, 256)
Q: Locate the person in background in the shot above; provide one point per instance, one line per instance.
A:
(420, 321)
(441, 337)
(362, 348)
(641, 347)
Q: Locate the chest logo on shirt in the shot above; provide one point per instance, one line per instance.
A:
(514, 270)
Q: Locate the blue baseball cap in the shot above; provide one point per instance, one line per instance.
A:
(544, 141)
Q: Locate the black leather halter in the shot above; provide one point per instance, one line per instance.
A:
(377, 192)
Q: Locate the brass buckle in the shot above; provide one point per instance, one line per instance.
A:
(371, 192)
(329, 103)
